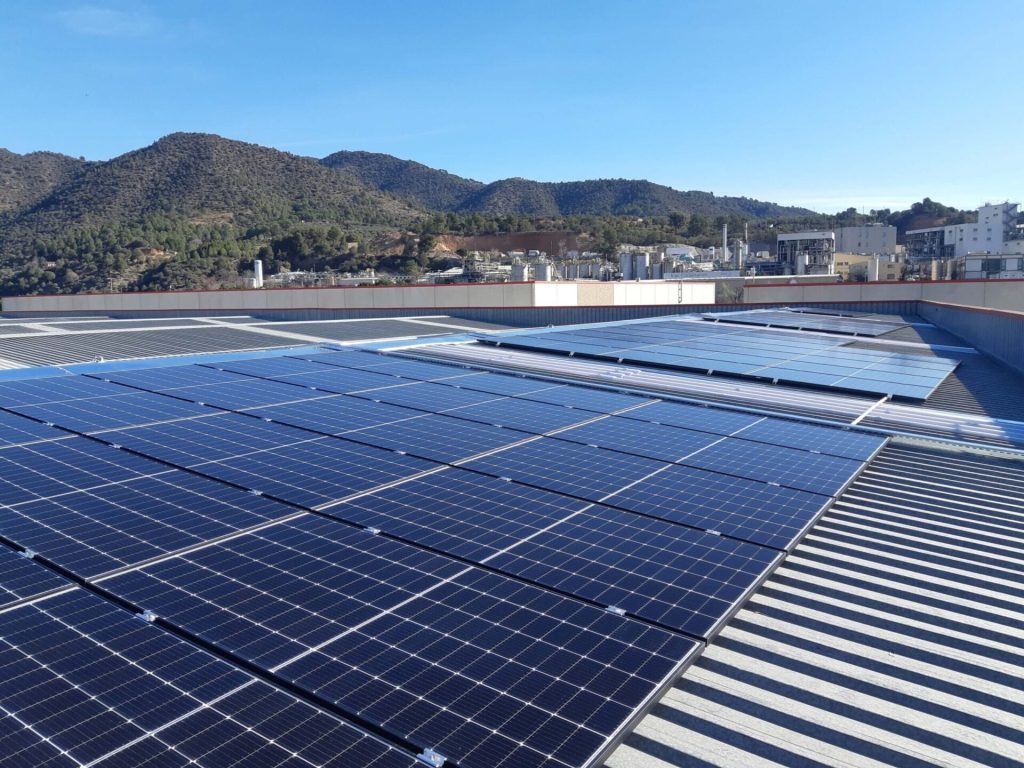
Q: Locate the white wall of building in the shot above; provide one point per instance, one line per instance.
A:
(988, 234)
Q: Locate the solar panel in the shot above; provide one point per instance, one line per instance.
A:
(641, 438)
(378, 363)
(760, 354)
(245, 393)
(54, 389)
(17, 430)
(337, 380)
(577, 470)
(482, 669)
(459, 512)
(91, 532)
(85, 683)
(335, 414)
(22, 578)
(290, 464)
(682, 578)
(428, 397)
(356, 358)
(500, 385)
(587, 399)
(438, 437)
(523, 414)
(42, 470)
(169, 378)
(806, 471)
(783, 318)
(194, 441)
(812, 437)
(754, 511)
(98, 413)
(316, 472)
(714, 420)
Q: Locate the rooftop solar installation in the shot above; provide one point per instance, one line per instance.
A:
(763, 354)
(455, 567)
(783, 318)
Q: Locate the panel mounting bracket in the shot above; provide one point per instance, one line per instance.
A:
(431, 757)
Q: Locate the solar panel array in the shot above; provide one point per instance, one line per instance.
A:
(353, 559)
(777, 356)
(805, 321)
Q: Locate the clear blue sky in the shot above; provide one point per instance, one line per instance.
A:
(826, 104)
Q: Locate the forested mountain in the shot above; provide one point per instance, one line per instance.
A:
(203, 178)
(442, 191)
(428, 187)
(183, 211)
(25, 179)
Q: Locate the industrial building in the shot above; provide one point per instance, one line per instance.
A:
(625, 544)
(866, 239)
(991, 247)
(857, 266)
(806, 253)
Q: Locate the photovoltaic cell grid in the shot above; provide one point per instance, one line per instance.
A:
(84, 683)
(683, 579)
(822, 464)
(491, 671)
(782, 318)
(21, 578)
(473, 655)
(753, 353)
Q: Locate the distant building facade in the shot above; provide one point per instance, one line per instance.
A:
(990, 247)
(807, 253)
(870, 267)
(870, 238)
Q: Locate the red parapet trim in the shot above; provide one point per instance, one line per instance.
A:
(885, 282)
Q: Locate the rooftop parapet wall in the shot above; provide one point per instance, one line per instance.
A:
(999, 333)
(423, 298)
(989, 294)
